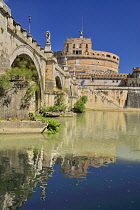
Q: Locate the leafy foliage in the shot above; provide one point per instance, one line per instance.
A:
(49, 109)
(59, 100)
(4, 81)
(79, 106)
(84, 99)
(22, 70)
(53, 108)
(58, 107)
(53, 126)
(4, 84)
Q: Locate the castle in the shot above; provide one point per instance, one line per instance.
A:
(91, 67)
(75, 71)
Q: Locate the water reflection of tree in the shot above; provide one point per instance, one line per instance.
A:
(24, 170)
(20, 173)
(89, 140)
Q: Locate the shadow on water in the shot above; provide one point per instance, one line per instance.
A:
(92, 143)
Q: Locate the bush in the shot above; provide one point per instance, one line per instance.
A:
(58, 107)
(79, 106)
(59, 100)
(54, 108)
(53, 125)
(84, 99)
(49, 109)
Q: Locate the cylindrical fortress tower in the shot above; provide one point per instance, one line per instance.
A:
(78, 55)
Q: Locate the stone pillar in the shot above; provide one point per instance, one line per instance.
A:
(49, 79)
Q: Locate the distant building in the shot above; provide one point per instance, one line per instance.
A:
(133, 80)
(89, 67)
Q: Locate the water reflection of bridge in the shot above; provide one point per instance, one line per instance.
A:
(93, 139)
(23, 170)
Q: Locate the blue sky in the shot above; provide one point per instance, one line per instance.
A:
(113, 26)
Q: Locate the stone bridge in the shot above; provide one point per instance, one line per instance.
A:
(16, 42)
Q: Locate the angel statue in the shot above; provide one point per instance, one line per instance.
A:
(48, 36)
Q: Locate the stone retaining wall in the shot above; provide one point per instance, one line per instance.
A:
(21, 126)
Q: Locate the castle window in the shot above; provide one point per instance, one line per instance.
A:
(73, 45)
(80, 45)
(114, 57)
(77, 52)
(86, 45)
(108, 56)
(67, 48)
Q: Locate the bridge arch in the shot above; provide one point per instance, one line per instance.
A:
(58, 82)
(26, 52)
(59, 79)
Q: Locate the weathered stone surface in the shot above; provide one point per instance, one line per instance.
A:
(21, 126)
(133, 99)
(51, 114)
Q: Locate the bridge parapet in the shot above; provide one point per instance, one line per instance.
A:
(17, 42)
(8, 24)
(4, 7)
(16, 30)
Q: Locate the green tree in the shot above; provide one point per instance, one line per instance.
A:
(79, 106)
(84, 99)
(23, 71)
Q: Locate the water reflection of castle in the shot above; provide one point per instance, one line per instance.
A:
(82, 142)
(22, 171)
(77, 167)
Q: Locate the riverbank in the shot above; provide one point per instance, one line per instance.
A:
(17, 126)
(29, 126)
(116, 110)
(11, 127)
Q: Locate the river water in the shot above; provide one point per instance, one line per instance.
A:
(93, 163)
